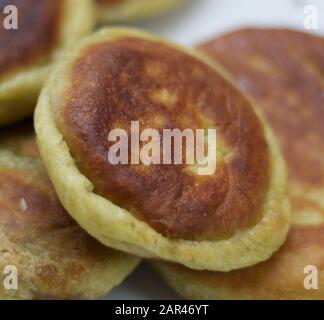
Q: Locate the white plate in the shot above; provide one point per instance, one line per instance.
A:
(190, 24)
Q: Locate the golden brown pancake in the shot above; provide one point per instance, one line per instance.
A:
(43, 28)
(124, 10)
(167, 211)
(194, 208)
(54, 257)
(283, 70)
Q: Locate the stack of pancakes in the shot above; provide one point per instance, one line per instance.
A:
(283, 71)
(66, 209)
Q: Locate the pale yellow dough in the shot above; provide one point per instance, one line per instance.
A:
(133, 9)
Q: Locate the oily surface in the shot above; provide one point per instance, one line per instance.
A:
(38, 28)
(54, 257)
(284, 71)
(132, 79)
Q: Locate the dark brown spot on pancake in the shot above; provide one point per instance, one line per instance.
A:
(37, 34)
(115, 83)
(284, 71)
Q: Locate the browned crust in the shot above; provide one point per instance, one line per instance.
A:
(54, 257)
(116, 82)
(37, 34)
(284, 71)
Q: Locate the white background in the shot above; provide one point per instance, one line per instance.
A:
(197, 21)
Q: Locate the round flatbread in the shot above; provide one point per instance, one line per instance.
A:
(161, 210)
(44, 254)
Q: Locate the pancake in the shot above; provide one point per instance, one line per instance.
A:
(283, 70)
(124, 10)
(44, 28)
(165, 211)
(54, 257)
